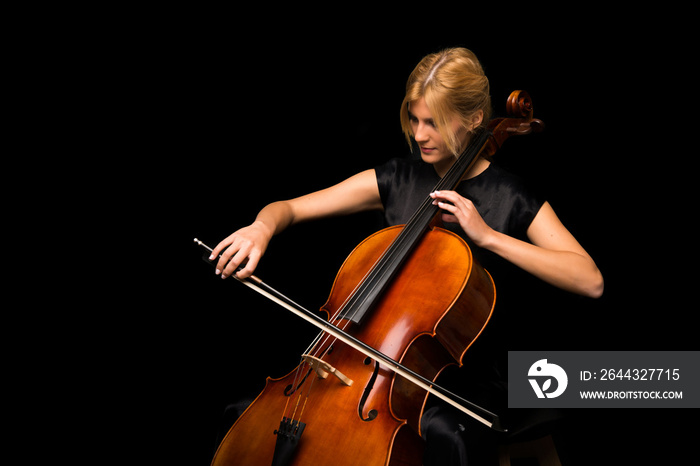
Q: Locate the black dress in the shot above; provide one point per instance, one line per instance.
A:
(507, 206)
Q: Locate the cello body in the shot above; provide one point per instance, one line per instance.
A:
(375, 418)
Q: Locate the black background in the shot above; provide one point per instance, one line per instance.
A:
(234, 117)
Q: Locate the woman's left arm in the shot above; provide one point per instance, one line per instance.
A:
(554, 255)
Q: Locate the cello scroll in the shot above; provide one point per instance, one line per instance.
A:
(519, 121)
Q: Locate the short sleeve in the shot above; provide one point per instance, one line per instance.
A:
(503, 200)
(386, 174)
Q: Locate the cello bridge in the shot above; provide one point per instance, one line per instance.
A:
(322, 369)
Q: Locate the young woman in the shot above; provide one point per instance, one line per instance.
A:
(447, 100)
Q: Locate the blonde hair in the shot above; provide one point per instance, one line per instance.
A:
(453, 84)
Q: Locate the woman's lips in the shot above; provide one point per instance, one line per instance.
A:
(427, 150)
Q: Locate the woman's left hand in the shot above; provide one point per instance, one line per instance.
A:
(462, 211)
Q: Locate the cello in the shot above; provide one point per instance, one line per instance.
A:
(358, 394)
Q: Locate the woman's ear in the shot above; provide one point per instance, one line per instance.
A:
(476, 119)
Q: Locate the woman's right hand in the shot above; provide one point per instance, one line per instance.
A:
(244, 247)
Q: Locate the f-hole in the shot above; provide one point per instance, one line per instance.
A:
(372, 413)
(289, 390)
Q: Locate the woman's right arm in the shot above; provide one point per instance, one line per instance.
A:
(247, 245)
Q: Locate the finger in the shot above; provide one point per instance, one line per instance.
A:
(219, 248)
(250, 266)
(238, 258)
(448, 207)
(227, 256)
(450, 196)
(449, 218)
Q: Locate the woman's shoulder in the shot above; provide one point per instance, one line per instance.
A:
(498, 178)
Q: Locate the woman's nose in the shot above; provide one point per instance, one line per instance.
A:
(421, 134)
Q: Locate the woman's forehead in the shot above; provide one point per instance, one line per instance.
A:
(419, 109)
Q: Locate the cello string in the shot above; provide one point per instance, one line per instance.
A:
(306, 395)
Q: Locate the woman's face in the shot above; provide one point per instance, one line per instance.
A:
(433, 148)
